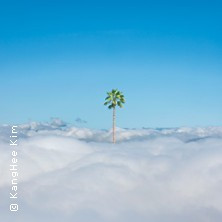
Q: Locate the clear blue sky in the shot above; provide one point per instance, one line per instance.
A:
(58, 59)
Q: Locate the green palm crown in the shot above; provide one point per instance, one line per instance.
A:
(114, 98)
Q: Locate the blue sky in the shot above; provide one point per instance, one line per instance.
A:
(58, 59)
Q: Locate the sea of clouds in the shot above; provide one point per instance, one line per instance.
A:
(76, 174)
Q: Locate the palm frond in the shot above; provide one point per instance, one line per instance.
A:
(119, 104)
(114, 98)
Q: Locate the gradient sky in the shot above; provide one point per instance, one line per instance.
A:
(58, 59)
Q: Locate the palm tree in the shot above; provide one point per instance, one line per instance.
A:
(114, 98)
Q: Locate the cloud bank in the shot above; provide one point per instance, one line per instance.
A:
(76, 174)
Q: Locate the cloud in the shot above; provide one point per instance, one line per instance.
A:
(58, 122)
(79, 120)
(76, 174)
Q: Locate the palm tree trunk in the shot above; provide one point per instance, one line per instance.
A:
(114, 125)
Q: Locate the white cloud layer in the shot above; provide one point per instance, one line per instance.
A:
(76, 174)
